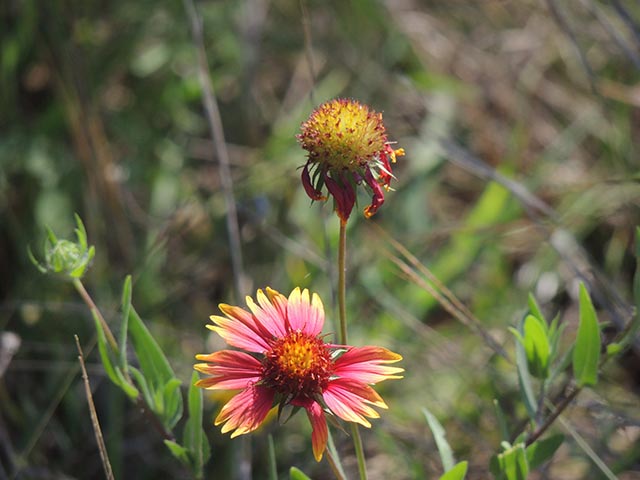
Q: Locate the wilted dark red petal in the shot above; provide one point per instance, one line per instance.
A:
(308, 187)
(344, 195)
(378, 194)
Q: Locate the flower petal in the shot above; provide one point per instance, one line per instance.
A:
(308, 187)
(351, 400)
(305, 315)
(228, 369)
(378, 194)
(246, 411)
(268, 315)
(320, 433)
(343, 193)
(240, 329)
(367, 365)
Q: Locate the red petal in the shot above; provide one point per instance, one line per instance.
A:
(308, 187)
(344, 195)
(378, 194)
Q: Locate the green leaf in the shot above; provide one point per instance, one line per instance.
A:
(586, 353)
(446, 455)
(458, 472)
(511, 464)
(159, 377)
(502, 420)
(536, 347)
(535, 309)
(81, 232)
(126, 309)
(178, 451)
(35, 262)
(144, 386)
(542, 450)
(153, 363)
(172, 402)
(297, 474)
(524, 379)
(130, 390)
(194, 437)
(103, 349)
(614, 349)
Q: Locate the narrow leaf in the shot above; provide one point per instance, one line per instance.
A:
(524, 379)
(103, 349)
(126, 309)
(153, 362)
(130, 390)
(586, 354)
(81, 232)
(144, 387)
(502, 420)
(446, 455)
(535, 309)
(35, 262)
(536, 346)
(458, 472)
(541, 451)
(173, 402)
(178, 451)
(297, 474)
(512, 464)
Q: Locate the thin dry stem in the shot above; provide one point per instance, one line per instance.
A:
(104, 456)
(217, 133)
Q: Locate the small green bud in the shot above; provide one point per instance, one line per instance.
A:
(64, 257)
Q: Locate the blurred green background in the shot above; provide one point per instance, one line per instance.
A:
(101, 114)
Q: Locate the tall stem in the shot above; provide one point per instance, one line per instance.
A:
(342, 288)
(342, 308)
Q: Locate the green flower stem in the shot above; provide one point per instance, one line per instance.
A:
(342, 289)
(357, 443)
(334, 465)
(342, 307)
(94, 309)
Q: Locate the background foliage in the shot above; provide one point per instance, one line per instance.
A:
(102, 115)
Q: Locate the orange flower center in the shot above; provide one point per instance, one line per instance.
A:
(298, 364)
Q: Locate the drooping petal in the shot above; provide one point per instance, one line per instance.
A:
(367, 365)
(344, 195)
(240, 329)
(268, 315)
(246, 411)
(378, 194)
(351, 400)
(308, 186)
(305, 315)
(320, 433)
(229, 370)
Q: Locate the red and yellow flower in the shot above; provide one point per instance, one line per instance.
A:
(346, 144)
(283, 360)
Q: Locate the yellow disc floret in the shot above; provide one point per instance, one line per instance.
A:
(343, 134)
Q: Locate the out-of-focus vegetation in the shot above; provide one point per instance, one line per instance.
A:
(101, 114)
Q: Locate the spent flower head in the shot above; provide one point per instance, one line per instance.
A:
(347, 144)
(65, 257)
(284, 361)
